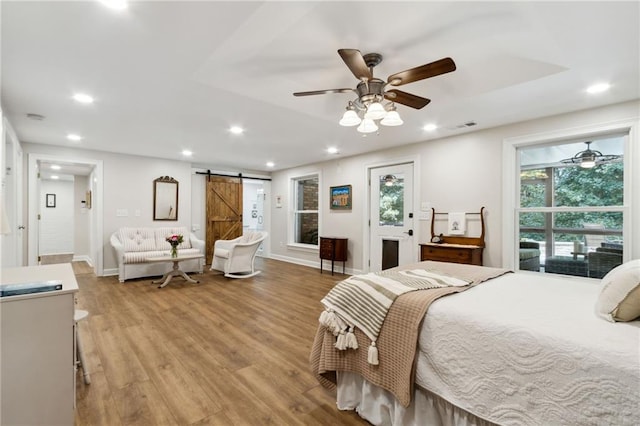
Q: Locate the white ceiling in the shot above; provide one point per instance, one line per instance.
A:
(169, 76)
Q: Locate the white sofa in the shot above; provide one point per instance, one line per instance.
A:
(134, 245)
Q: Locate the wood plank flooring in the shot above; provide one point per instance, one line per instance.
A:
(222, 352)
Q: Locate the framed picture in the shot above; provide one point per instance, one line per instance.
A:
(51, 200)
(340, 197)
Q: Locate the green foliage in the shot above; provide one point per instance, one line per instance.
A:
(602, 185)
(392, 203)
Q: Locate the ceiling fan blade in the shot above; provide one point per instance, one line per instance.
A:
(322, 92)
(433, 69)
(355, 61)
(407, 99)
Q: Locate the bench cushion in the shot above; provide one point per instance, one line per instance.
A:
(138, 239)
(141, 256)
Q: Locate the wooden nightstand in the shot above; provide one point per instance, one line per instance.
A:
(453, 248)
(334, 249)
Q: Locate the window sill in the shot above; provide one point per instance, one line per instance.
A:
(303, 247)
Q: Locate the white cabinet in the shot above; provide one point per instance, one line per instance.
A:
(37, 349)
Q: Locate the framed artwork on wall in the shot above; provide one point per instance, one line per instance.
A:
(51, 200)
(340, 197)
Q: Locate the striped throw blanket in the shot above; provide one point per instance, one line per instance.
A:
(363, 301)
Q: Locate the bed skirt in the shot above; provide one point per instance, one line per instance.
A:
(379, 407)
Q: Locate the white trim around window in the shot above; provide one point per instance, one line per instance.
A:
(293, 211)
(511, 181)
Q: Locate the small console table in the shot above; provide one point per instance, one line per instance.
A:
(175, 272)
(454, 248)
(334, 249)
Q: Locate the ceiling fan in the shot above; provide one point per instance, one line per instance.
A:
(371, 91)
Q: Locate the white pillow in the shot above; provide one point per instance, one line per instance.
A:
(619, 299)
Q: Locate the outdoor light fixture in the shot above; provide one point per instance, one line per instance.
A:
(590, 158)
(389, 180)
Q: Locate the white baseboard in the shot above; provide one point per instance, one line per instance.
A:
(316, 264)
(110, 272)
(83, 257)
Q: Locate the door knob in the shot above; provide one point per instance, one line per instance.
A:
(410, 232)
(21, 227)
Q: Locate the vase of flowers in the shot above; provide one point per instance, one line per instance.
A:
(175, 240)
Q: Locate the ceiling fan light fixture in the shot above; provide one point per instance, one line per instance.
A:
(371, 91)
(350, 118)
(392, 118)
(589, 158)
(367, 126)
(375, 111)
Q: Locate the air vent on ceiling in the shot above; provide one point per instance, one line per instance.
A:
(462, 126)
(36, 117)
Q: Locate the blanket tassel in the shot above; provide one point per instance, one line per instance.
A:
(341, 341)
(332, 321)
(372, 356)
(351, 340)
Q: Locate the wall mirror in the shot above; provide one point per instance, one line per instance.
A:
(165, 198)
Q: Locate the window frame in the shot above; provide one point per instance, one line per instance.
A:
(293, 211)
(511, 184)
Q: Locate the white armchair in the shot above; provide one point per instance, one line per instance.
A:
(235, 257)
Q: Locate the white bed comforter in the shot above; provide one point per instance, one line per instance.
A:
(525, 349)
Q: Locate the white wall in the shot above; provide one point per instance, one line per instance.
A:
(128, 189)
(57, 223)
(457, 173)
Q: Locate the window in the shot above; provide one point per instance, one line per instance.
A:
(305, 210)
(575, 214)
(391, 200)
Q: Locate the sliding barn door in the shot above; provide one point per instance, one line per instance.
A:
(224, 211)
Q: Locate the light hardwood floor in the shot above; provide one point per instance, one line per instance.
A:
(222, 352)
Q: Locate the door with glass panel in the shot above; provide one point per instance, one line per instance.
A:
(391, 241)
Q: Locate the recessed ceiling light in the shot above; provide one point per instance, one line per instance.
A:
(55, 167)
(270, 164)
(115, 4)
(598, 88)
(236, 130)
(429, 127)
(74, 137)
(332, 150)
(54, 177)
(187, 153)
(83, 98)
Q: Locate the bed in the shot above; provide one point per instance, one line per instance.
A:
(518, 349)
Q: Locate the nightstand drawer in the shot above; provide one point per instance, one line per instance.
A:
(447, 254)
(451, 253)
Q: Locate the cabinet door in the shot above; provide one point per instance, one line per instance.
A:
(38, 378)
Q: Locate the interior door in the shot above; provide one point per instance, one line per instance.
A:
(391, 241)
(224, 211)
